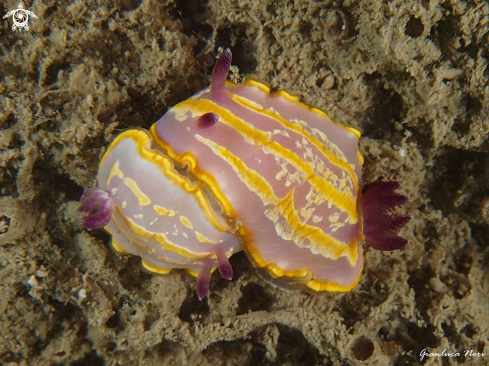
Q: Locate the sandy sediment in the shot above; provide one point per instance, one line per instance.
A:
(411, 75)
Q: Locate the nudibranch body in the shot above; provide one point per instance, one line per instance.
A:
(284, 171)
(278, 174)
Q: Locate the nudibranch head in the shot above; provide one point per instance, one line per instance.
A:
(236, 161)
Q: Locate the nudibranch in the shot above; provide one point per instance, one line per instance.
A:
(245, 168)
(157, 212)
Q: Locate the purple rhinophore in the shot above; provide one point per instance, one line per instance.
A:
(207, 120)
(203, 279)
(98, 205)
(220, 74)
(225, 268)
(380, 224)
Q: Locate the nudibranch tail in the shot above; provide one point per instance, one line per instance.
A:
(98, 204)
(220, 74)
(380, 224)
